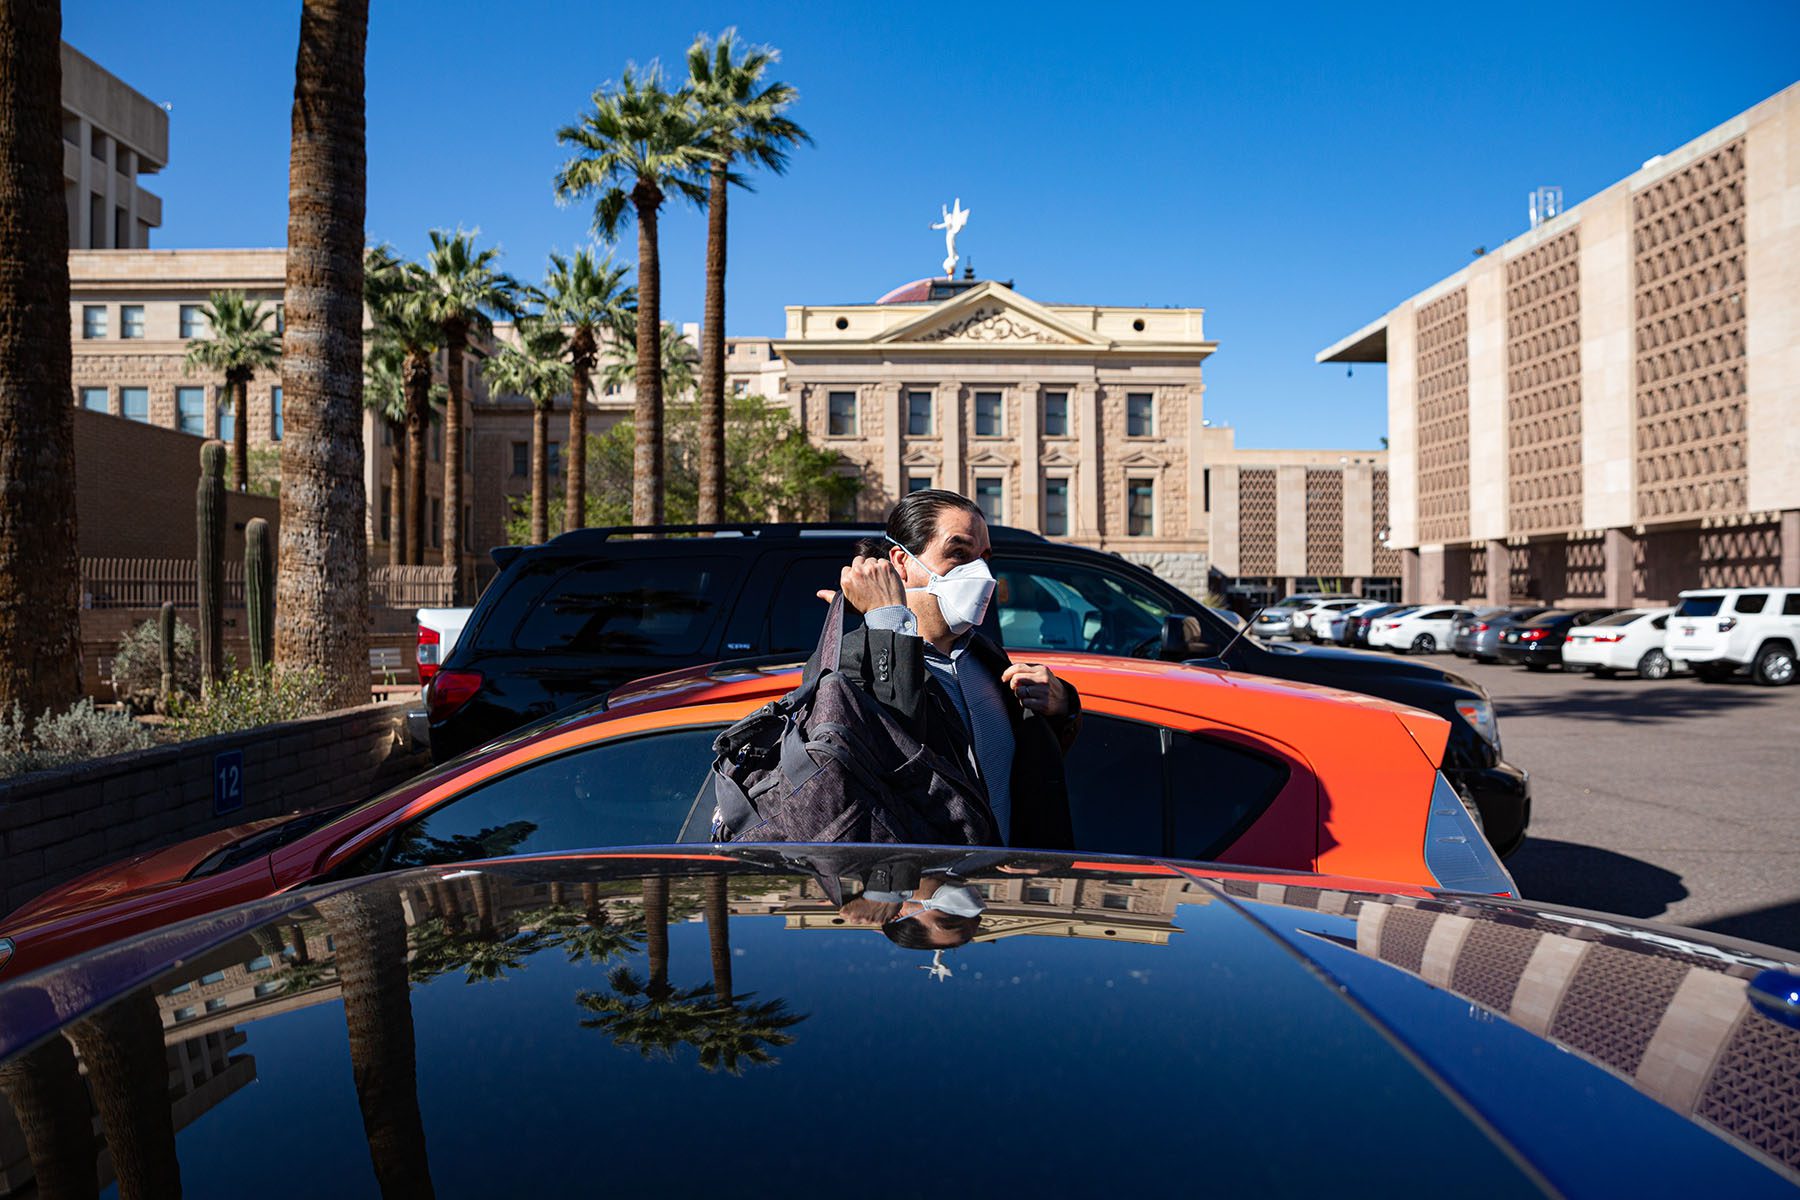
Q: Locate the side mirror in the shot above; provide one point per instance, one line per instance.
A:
(1181, 639)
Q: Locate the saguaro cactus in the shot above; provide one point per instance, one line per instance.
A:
(209, 549)
(259, 592)
(165, 644)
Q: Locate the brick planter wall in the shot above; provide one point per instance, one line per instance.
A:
(55, 825)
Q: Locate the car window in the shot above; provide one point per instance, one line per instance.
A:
(1439, 614)
(1064, 606)
(796, 615)
(653, 606)
(1791, 606)
(1699, 606)
(1751, 602)
(632, 792)
(1621, 618)
(1138, 788)
(1660, 623)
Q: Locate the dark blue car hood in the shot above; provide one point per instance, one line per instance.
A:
(665, 1021)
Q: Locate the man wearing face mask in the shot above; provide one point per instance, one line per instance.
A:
(923, 590)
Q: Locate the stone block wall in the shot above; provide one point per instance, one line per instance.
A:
(55, 825)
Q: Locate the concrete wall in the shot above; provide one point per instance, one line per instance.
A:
(1772, 287)
(55, 825)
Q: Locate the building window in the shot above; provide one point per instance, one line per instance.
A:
(918, 414)
(740, 387)
(1116, 900)
(268, 987)
(468, 444)
(1056, 414)
(134, 402)
(212, 977)
(96, 221)
(468, 527)
(842, 414)
(93, 320)
(190, 410)
(987, 414)
(131, 319)
(121, 231)
(990, 495)
(437, 443)
(280, 319)
(1056, 507)
(275, 413)
(1040, 894)
(192, 323)
(521, 452)
(437, 523)
(1140, 415)
(186, 1014)
(387, 513)
(917, 483)
(227, 421)
(94, 400)
(216, 1004)
(1141, 510)
(261, 962)
(179, 988)
(553, 452)
(1206, 490)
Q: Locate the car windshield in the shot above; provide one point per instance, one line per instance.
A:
(265, 841)
(1700, 606)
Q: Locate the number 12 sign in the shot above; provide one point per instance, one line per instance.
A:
(228, 782)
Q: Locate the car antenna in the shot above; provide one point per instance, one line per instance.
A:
(1217, 661)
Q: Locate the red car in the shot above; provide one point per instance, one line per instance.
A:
(1171, 761)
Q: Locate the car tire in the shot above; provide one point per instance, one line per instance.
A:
(1774, 666)
(1654, 665)
(1424, 644)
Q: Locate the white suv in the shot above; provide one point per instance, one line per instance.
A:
(1721, 631)
(1424, 630)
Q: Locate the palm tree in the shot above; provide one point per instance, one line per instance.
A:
(743, 121)
(587, 297)
(461, 290)
(535, 370)
(40, 577)
(586, 935)
(121, 1049)
(384, 394)
(44, 1087)
(639, 143)
(369, 931)
(715, 890)
(677, 356)
(322, 594)
(239, 347)
(400, 322)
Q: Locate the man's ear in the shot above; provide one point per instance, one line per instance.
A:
(898, 557)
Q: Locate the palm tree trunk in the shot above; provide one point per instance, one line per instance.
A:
(581, 352)
(647, 459)
(240, 435)
(455, 342)
(418, 432)
(44, 1088)
(590, 901)
(540, 473)
(396, 530)
(322, 606)
(656, 931)
(370, 932)
(718, 933)
(301, 954)
(128, 1072)
(712, 357)
(40, 577)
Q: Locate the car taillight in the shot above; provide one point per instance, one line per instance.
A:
(1481, 628)
(429, 648)
(1728, 624)
(449, 691)
(1531, 635)
(1392, 625)
(1607, 637)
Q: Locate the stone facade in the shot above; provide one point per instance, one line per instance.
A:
(1603, 410)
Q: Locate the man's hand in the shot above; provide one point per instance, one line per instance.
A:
(869, 584)
(1038, 689)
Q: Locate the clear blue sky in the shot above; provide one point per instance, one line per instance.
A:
(1295, 170)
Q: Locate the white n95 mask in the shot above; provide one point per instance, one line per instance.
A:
(962, 592)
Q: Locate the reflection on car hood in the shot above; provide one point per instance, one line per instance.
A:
(788, 1015)
(1363, 662)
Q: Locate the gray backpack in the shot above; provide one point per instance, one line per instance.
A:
(830, 763)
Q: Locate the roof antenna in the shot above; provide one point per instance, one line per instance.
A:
(1217, 662)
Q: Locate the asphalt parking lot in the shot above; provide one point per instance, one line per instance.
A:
(1674, 800)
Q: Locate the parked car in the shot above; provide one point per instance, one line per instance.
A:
(1461, 628)
(1171, 759)
(1480, 639)
(1721, 631)
(567, 621)
(1631, 640)
(1339, 630)
(1278, 620)
(1312, 623)
(514, 1030)
(1356, 629)
(1537, 644)
(438, 630)
(1425, 630)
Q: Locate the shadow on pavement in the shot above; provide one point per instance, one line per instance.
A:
(1777, 925)
(1646, 703)
(1589, 877)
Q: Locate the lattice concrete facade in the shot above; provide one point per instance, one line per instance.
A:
(1604, 409)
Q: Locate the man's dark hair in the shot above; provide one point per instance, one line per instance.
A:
(914, 521)
(911, 934)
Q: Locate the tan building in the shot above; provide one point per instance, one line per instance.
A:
(1606, 408)
(111, 136)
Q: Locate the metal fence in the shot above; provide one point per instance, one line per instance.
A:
(149, 582)
(425, 586)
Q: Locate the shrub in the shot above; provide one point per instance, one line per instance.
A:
(79, 734)
(246, 699)
(137, 666)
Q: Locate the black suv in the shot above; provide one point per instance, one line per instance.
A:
(567, 621)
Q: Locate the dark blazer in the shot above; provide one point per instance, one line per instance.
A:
(891, 667)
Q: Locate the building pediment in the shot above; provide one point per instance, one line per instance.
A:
(1058, 455)
(991, 314)
(1145, 460)
(920, 456)
(989, 456)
